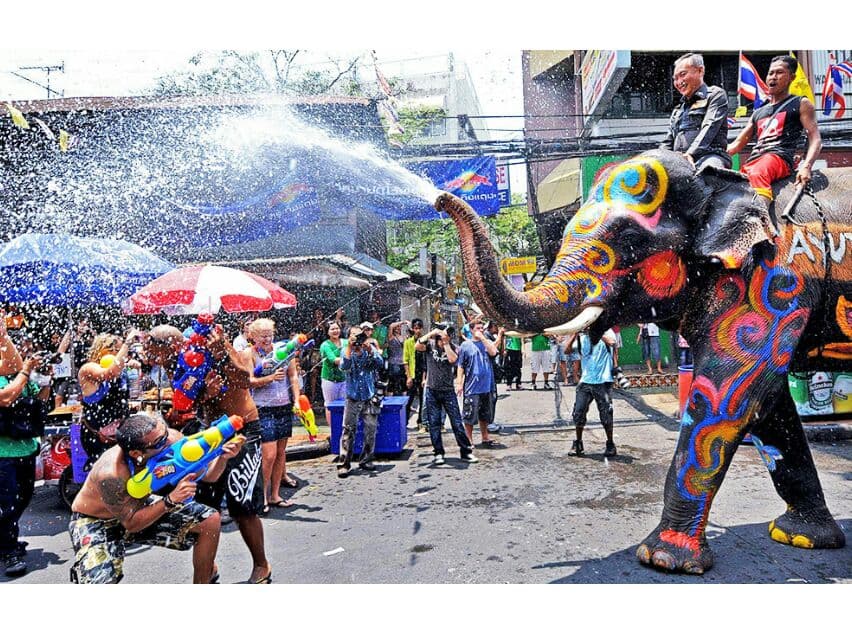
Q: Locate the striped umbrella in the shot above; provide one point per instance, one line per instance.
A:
(207, 289)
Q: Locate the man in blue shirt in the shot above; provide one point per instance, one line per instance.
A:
(595, 383)
(476, 378)
(361, 359)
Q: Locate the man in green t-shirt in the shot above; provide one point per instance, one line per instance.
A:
(540, 360)
(514, 361)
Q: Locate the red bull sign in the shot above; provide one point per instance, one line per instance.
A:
(472, 179)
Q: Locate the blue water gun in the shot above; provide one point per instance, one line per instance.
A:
(188, 455)
(282, 353)
(194, 363)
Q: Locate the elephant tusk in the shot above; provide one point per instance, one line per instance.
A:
(585, 319)
(517, 334)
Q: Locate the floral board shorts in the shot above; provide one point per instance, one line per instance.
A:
(100, 544)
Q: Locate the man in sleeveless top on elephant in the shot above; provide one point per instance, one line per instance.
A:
(779, 125)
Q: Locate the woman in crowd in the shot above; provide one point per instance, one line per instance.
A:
(19, 410)
(333, 379)
(274, 393)
(396, 369)
(105, 393)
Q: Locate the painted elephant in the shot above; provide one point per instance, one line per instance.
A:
(656, 242)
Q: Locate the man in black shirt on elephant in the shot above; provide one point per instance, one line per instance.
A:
(698, 127)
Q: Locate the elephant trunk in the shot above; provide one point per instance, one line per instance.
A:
(497, 299)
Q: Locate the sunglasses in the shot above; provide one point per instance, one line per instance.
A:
(160, 442)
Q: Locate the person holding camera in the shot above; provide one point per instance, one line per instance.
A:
(21, 423)
(361, 360)
(475, 381)
(595, 383)
(440, 395)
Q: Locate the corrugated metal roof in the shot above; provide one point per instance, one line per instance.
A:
(357, 262)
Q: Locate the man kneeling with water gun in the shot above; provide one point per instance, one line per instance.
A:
(107, 517)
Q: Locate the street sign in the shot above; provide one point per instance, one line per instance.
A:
(504, 191)
(518, 265)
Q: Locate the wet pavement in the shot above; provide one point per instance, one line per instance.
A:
(527, 513)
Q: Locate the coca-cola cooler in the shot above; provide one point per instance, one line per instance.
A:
(819, 393)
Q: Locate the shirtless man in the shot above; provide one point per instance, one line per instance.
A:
(105, 518)
(241, 484)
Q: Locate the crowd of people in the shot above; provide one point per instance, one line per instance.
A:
(450, 379)
(438, 374)
(445, 376)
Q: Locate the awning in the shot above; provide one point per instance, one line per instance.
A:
(544, 60)
(561, 187)
(336, 269)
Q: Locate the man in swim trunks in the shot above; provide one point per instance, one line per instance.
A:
(105, 519)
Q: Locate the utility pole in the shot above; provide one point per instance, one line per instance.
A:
(47, 69)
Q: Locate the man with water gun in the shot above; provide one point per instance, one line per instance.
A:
(106, 518)
(241, 484)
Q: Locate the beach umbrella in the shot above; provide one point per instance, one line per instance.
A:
(207, 289)
(58, 269)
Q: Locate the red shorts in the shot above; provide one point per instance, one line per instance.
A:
(762, 171)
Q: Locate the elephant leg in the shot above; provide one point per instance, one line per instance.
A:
(705, 447)
(807, 523)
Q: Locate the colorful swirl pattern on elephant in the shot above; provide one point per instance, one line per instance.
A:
(693, 252)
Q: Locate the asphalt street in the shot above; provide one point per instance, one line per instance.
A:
(527, 513)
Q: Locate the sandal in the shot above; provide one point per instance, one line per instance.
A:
(282, 503)
(290, 482)
(264, 580)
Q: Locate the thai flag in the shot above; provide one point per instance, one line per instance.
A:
(832, 92)
(751, 87)
(845, 68)
(731, 122)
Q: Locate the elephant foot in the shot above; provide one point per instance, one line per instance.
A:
(817, 530)
(673, 551)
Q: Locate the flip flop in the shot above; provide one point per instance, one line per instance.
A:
(284, 503)
(290, 484)
(265, 511)
(264, 580)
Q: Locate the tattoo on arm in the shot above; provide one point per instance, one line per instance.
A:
(114, 494)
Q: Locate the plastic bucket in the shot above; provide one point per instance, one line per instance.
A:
(684, 381)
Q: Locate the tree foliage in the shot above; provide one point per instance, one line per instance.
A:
(269, 72)
(414, 120)
(512, 232)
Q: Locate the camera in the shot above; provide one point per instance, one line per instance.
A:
(379, 395)
(48, 359)
(620, 378)
(361, 339)
(441, 326)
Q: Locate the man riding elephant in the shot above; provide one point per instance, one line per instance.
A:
(655, 241)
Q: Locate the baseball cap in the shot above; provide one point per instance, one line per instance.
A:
(365, 325)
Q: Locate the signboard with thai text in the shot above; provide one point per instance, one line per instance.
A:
(601, 74)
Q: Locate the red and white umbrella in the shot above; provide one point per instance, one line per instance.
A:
(206, 289)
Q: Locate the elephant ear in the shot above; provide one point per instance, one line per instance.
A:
(732, 223)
